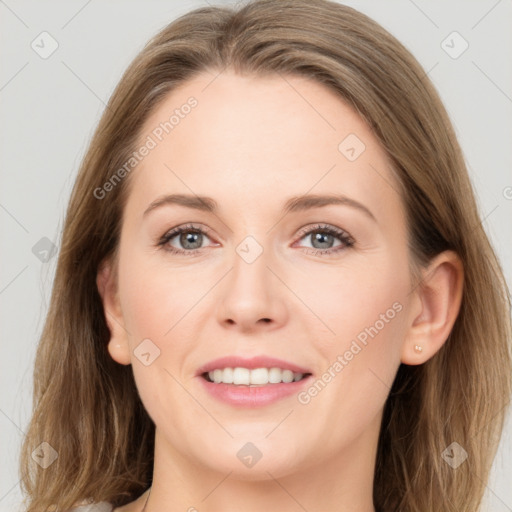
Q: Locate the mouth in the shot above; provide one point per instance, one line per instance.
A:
(255, 377)
(253, 382)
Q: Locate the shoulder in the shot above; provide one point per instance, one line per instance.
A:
(102, 506)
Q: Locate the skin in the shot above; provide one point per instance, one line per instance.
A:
(251, 143)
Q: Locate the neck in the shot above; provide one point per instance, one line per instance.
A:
(342, 484)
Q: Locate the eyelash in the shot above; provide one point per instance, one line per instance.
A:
(343, 236)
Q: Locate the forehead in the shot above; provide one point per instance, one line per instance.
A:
(228, 136)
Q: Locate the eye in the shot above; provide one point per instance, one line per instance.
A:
(323, 236)
(190, 238)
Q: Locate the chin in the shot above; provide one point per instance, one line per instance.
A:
(249, 461)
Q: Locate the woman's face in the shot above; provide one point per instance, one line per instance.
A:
(266, 278)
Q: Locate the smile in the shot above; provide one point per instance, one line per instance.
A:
(252, 382)
(252, 377)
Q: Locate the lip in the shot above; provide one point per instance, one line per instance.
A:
(257, 396)
(252, 396)
(251, 364)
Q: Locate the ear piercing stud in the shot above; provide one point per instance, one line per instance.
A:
(418, 348)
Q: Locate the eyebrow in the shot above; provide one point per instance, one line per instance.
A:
(294, 204)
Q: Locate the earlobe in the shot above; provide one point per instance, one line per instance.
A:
(119, 352)
(118, 345)
(435, 308)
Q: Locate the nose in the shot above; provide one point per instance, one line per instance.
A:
(252, 296)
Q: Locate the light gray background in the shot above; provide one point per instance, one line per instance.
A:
(51, 106)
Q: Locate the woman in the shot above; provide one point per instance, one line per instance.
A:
(340, 339)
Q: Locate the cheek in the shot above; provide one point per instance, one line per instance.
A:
(158, 308)
(366, 308)
(362, 303)
(360, 363)
(153, 306)
(147, 311)
(153, 299)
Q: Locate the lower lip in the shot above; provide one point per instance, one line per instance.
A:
(255, 396)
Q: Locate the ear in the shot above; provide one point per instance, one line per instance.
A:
(435, 306)
(106, 281)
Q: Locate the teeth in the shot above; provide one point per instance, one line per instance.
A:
(287, 376)
(255, 377)
(274, 375)
(259, 376)
(241, 376)
(227, 375)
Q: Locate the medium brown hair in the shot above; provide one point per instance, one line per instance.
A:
(86, 406)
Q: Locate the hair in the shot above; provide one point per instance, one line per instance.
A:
(87, 407)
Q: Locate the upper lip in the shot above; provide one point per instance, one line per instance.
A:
(250, 363)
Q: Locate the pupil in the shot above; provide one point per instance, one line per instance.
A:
(320, 237)
(192, 238)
